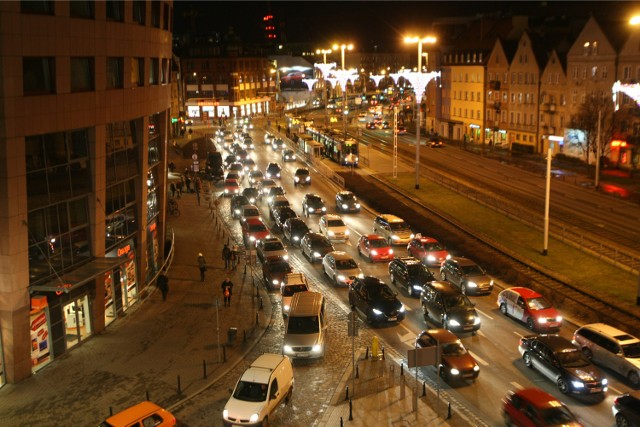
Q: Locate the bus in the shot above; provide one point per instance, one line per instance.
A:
(336, 147)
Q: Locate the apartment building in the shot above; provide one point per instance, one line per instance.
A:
(84, 117)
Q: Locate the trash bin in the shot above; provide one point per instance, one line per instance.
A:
(231, 335)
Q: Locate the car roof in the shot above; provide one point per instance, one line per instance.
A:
(538, 398)
(524, 292)
(555, 342)
(312, 195)
(390, 218)
(254, 221)
(426, 239)
(302, 170)
(618, 334)
(340, 255)
(332, 216)
(441, 335)
(372, 281)
(374, 237)
(230, 181)
(461, 260)
(345, 193)
(133, 413)
(409, 260)
(444, 288)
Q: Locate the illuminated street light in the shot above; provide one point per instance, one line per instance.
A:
(324, 53)
(343, 77)
(418, 91)
(342, 48)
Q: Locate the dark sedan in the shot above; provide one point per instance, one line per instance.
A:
(251, 193)
(313, 204)
(237, 202)
(281, 215)
(274, 270)
(409, 273)
(447, 307)
(315, 246)
(372, 297)
(294, 229)
(456, 363)
(346, 201)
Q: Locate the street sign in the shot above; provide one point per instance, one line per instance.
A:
(427, 356)
(196, 166)
(352, 325)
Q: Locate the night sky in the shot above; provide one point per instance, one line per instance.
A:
(364, 23)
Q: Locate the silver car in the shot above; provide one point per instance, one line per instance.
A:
(341, 268)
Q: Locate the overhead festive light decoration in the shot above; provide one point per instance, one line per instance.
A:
(309, 83)
(376, 79)
(419, 81)
(631, 90)
(325, 68)
(343, 76)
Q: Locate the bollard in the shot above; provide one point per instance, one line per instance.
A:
(257, 318)
(374, 348)
(244, 335)
(346, 396)
(383, 353)
(245, 268)
(357, 371)
(402, 388)
(341, 425)
(448, 410)
(147, 393)
(366, 355)
(392, 377)
(110, 411)
(257, 292)
(224, 354)
(424, 388)
(401, 369)
(350, 410)
(204, 368)
(261, 304)
(179, 391)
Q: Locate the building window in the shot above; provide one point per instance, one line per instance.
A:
(137, 72)
(37, 7)
(594, 71)
(584, 73)
(574, 96)
(81, 9)
(139, 11)
(165, 17)
(38, 76)
(122, 142)
(155, 13)
(82, 75)
(115, 10)
(115, 73)
(153, 71)
(575, 73)
(626, 72)
(164, 71)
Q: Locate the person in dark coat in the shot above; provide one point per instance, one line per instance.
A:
(163, 285)
(202, 264)
(227, 290)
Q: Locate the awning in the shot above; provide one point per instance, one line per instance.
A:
(80, 276)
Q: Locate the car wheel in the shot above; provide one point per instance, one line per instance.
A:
(265, 422)
(563, 386)
(531, 324)
(335, 280)
(425, 312)
(370, 258)
(287, 399)
(621, 421)
(587, 353)
(410, 289)
(390, 241)
(507, 420)
(393, 279)
(634, 379)
(463, 289)
(527, 360)
(503, 309)
(443, 276)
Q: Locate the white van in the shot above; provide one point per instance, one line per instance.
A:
(306, 328)
(259, 391)
(292, 284)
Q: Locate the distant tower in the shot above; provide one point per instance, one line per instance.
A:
(269, 29)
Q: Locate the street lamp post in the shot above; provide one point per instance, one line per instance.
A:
(418, 98)
(324, 53)
(347, 75)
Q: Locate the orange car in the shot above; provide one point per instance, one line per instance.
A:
(144, 413)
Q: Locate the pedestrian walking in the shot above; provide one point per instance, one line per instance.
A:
(179, 188)
(226, 256)
(227, 290)
(172, 187)
(202, 264)
(163, 284)
(188, 184)
(234, 257)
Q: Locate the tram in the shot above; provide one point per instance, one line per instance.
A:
(340, 150)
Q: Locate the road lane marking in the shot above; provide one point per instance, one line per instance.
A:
(482, 334)
(478, 359)
(616, 390)
(516, 385)
(484, 314)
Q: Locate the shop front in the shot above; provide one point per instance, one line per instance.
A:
(120, 284)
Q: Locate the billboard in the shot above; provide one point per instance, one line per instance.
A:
(291, 78)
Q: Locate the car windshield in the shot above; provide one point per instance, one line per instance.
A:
(381, 292)
(256, 174)
(299, 226)
(345, 264)
(280, 267)
(378, 243)
(451, 301)
(418, 270)
(292, 289)
(268, 183)
(250, 392)
(473, 270)
(454, 349)
(632, 350)
(335, 223)
(538, 303)
(398, 226)
(276, 191)
(321, 243)
(251, 212)
(347, 197)
(273, 246)
(433, 247)
(303, 325)
(572, 358)
(556, 416)
(257, 227)
(314, 199)
(300, 172)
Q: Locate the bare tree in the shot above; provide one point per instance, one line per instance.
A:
(586, 119)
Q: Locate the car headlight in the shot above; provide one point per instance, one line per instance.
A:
(417, 287)
(361, 275)
(296, 179)
(225, 414)
(476, 321)
(252, 239)
(577, 384)
(412, 236)
(357, 205)
(376, 311)
(559, 319)
(286, 257)
(394, 237)
(401, 309)
(448, 256)
(268, 175)
(491, 283)
(226, 191)
(331, 233)
(346, 232)
(374, 252)
(472, 285)
(324, 209)
(542, 320)
(431, 258)
(287, 348)
(252, 200)
(274, 281)
(236, 211)
(454, 322)
(308, 179)
(317, 254)
(604, 381)
(390, 251)
(253, 418)
(316, 348)
(268, 236)
(278, 175)
(237, 190)
(341, 278)
(296, 238)
(454, 371)
(344, 206)
(476, 368)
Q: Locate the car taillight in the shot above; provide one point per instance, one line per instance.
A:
(522, 341)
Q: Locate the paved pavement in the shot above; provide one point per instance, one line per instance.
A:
(173, 352)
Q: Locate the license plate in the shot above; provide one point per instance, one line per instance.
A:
(392, 319)
(302, 355)
(553, 325)
(596, 390)
(384, 257)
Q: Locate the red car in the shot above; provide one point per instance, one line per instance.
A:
(528, 306)
(428, 250)
(254, 230)
(375, 247)
(231, 187)
(534, 407)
